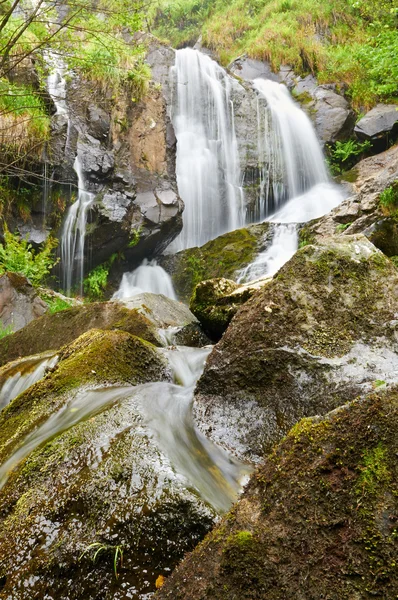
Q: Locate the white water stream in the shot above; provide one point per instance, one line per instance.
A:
(166, 410)
(148, 277)
(19, 376)
(207, 166)
(74, 234)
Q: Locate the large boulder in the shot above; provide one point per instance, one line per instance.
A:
(19, 301)
(225, 256)
(321, 332)
(334, 119)
(380, 122)
(52, 331)
(317, 520)
(90, 500)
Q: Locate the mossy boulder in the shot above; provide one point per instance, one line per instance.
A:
(223, 257)
(214, 302)
(52, 331)
(319, 519)
(321, 332)
(82, 473)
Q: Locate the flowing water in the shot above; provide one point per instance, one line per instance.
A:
(74, 234)
(295, 185)
(207, 165)
(166, 410)
(19, 376)
(148, 277)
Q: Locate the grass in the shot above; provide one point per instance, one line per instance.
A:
(97, 549)
(353, 43)
(388, 200)
(5, 330)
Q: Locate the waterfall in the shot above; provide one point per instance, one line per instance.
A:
(18, 377)
(148, 277)
(207, 165)
(74, 234)
(288, 149)
(283, 246)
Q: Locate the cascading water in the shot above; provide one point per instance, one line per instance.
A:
(207, 165)
(148, 277)
(74, 234)
(165, 413)
(18, 377)
(294, 179)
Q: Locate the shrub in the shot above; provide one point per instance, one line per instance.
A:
(18, 256)
(343, 155)
(95, 282)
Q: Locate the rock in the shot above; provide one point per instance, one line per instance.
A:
(97, 482)
(361, 209)
(320, 333)
(96, 161)
(384, 235)
(19, 302)
(378, 123)
(334, 118)
(161, 311)
(191, 335)
(214, 302)
(303, 526)
(52, 331)
(98, 122)
(249, 69)
(224, 257)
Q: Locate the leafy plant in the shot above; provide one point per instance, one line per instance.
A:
(343, 155)
(95, 282)
(97, 548)
(55, 303)
(342, 227)
(18, 256)
(196, 269)
(135, 235)
(388, 199)
(5, 330)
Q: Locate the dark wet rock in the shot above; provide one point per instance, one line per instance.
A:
(314, 520)
(384, 235)
(215, 301)
(191, 335)
(161, 311)
(52, 331)
(224, 257)
(321, 332)
(361, 210)
(378, 123)
(19, 301)
(101, 482)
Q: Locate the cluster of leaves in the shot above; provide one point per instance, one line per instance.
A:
(343, 155)
(96, 281)
(18, 256)
(181, 21)
(55, 303)
(388, 200)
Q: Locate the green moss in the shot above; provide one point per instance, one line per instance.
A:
(221, 257)
(51, 331)
(375, 474)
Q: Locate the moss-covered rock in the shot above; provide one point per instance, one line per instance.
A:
(214, 302)
(221, 257)
(319, 519)
(321, 332)
(52, 331)
(83, 474)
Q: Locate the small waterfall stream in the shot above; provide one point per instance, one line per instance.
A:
(148, 277)
(207, 167)
(166, 412)
(74, 234)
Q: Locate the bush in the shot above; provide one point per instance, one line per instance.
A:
(343, 155)
(18, 256)
(95, 282)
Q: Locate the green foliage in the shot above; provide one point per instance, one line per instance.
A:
(342, 40)
(98, 549)
(18, 256)
(343, 155)
(4, 331)
(195, 269)
(95, 282)
(388, 199)
(55, 303)
(342, 227)
(135, 235)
